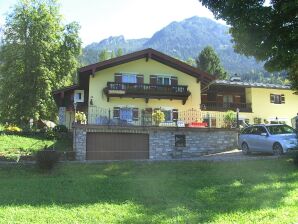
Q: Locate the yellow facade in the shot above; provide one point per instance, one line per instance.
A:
(146, 68)
(264, 109)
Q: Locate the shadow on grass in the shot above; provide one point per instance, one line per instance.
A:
(192, 192)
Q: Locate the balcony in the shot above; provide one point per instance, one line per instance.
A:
(215, 106)
(146, 91)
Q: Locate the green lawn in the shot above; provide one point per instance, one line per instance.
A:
(12, 146)
(159, 192)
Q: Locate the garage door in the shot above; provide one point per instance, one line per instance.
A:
(117, 146)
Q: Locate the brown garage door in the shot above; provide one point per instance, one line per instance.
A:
(117, 146)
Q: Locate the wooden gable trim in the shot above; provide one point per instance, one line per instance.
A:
(149, 54)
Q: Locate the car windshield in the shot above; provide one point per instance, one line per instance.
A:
(280, 129)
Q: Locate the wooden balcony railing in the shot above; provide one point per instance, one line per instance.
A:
(147, 91)
(215, 106)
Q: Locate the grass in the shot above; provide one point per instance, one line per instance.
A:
(158, 192)
(12, 146)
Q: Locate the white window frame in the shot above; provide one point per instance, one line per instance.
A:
(129, 76)
(78, 99)
(163, 77)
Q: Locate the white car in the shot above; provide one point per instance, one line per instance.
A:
(273, 138)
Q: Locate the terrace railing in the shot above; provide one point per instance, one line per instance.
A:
(146, 89)
(188, 118)
(215, 106)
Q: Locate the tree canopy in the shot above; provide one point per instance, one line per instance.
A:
(38, 54)
(209, 62)
(267, 32)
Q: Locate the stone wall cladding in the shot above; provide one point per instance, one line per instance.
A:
(79, 143)
(199, 141)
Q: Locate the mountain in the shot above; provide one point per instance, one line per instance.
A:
(182, 40)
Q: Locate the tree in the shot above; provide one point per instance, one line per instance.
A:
(267, 32)
(209, 62)
(191, 61)
(104, 55)
(119, 52)
(38, 55)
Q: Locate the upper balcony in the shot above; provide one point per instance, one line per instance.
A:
(216, 106)
(147, 91)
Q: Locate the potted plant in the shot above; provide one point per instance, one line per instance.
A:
(158, 116)
(80, 117)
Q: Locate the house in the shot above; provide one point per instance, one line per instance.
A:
(256, 102)
(120, 95)
(126, 90)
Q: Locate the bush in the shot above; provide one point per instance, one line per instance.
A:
(229, 118)
(12, 128)
(49, 134)
(47, 159)
(60, 128)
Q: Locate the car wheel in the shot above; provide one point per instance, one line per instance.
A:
(277, 149)
(245, 148)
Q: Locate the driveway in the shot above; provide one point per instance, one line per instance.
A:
(234, 155)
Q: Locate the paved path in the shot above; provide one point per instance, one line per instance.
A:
(233, 155)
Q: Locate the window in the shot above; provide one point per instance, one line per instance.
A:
(129, 78)
(168, 115)
(180, 141)
(246, 131)
(126, 113)
(258, 130)
(79, 96)
(228, 99)
(163, 80)
(280, 129)
(277, 98)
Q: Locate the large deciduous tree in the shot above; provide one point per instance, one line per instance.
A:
(38, 54)
(209, 62)
(269, 32)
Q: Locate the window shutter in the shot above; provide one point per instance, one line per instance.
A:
(116, 112)
(219, 98)
(237, 99)
(153, 79)
(175, 114)
(118, 77)
(282, 97)
(135, 114)
(156, 109)
(204, 97)
(174, 81)
(140, 79)
(272, 98)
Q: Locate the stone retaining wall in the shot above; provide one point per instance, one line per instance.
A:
(163, 141)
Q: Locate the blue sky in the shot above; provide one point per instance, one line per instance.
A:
(100, 19)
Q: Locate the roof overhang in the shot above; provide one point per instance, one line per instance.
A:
(147, 54)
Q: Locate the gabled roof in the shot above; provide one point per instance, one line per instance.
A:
(73, 87)
(149, 53)
(250, 84)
